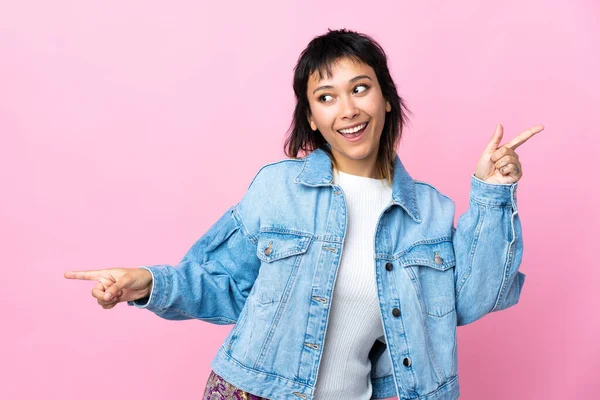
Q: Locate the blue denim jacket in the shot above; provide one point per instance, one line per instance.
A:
(269, 265)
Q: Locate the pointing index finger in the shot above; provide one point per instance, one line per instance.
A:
(85, 275)
(524, 136)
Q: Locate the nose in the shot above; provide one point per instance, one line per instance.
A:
(348, 108)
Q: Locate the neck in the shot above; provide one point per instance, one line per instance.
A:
(366, 168)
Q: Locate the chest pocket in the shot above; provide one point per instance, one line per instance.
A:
(431, 269)
(281, 255)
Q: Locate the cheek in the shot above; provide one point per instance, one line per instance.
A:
(324, 118)
(378, 112)
(374, 105)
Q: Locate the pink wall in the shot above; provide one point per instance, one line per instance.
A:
(115, 115)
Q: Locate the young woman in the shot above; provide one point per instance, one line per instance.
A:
(345, 215)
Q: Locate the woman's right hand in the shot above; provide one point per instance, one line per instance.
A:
(116, 284)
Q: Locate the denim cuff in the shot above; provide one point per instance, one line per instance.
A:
(157, 293)
(493, 194)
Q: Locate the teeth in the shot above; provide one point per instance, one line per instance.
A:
(353, 130)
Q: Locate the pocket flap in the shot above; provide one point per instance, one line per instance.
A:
(276, 245)
(438, 255)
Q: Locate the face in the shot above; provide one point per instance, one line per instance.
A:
(349, 110)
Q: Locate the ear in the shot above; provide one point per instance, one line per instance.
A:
(388, 106)
(311, 122)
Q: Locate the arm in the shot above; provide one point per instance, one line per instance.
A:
(214, 278)
(488, 245)
(488, 241)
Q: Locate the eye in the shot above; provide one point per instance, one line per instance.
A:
(323, 98)
(363, 86)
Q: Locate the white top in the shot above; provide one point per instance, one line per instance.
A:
(354, 320)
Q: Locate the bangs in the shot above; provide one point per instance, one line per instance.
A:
(322, 67)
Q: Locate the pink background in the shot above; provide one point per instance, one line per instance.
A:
(129, 127)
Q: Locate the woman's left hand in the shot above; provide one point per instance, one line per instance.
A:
(500, 164)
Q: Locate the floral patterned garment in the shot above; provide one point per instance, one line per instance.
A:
(218, 388)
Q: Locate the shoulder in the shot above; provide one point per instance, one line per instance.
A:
(428, 190)
(434, 206)
(277, 171)
(268, 189)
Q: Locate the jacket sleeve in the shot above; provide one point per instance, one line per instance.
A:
(488, 246)
(214, 278)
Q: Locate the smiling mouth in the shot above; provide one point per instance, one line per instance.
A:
(355, 131)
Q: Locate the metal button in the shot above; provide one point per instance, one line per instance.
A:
(389, 266)
(407, 362)
(396, 312)
(269, 249)
(438, 259)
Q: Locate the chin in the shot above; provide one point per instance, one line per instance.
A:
(358, 154)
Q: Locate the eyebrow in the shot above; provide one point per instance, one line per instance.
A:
(356, 78)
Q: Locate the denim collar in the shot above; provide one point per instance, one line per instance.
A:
(318, 171)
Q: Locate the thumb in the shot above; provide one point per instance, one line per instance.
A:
(496, 139)
(123, 282)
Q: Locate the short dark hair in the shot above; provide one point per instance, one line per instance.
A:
(319, 55)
